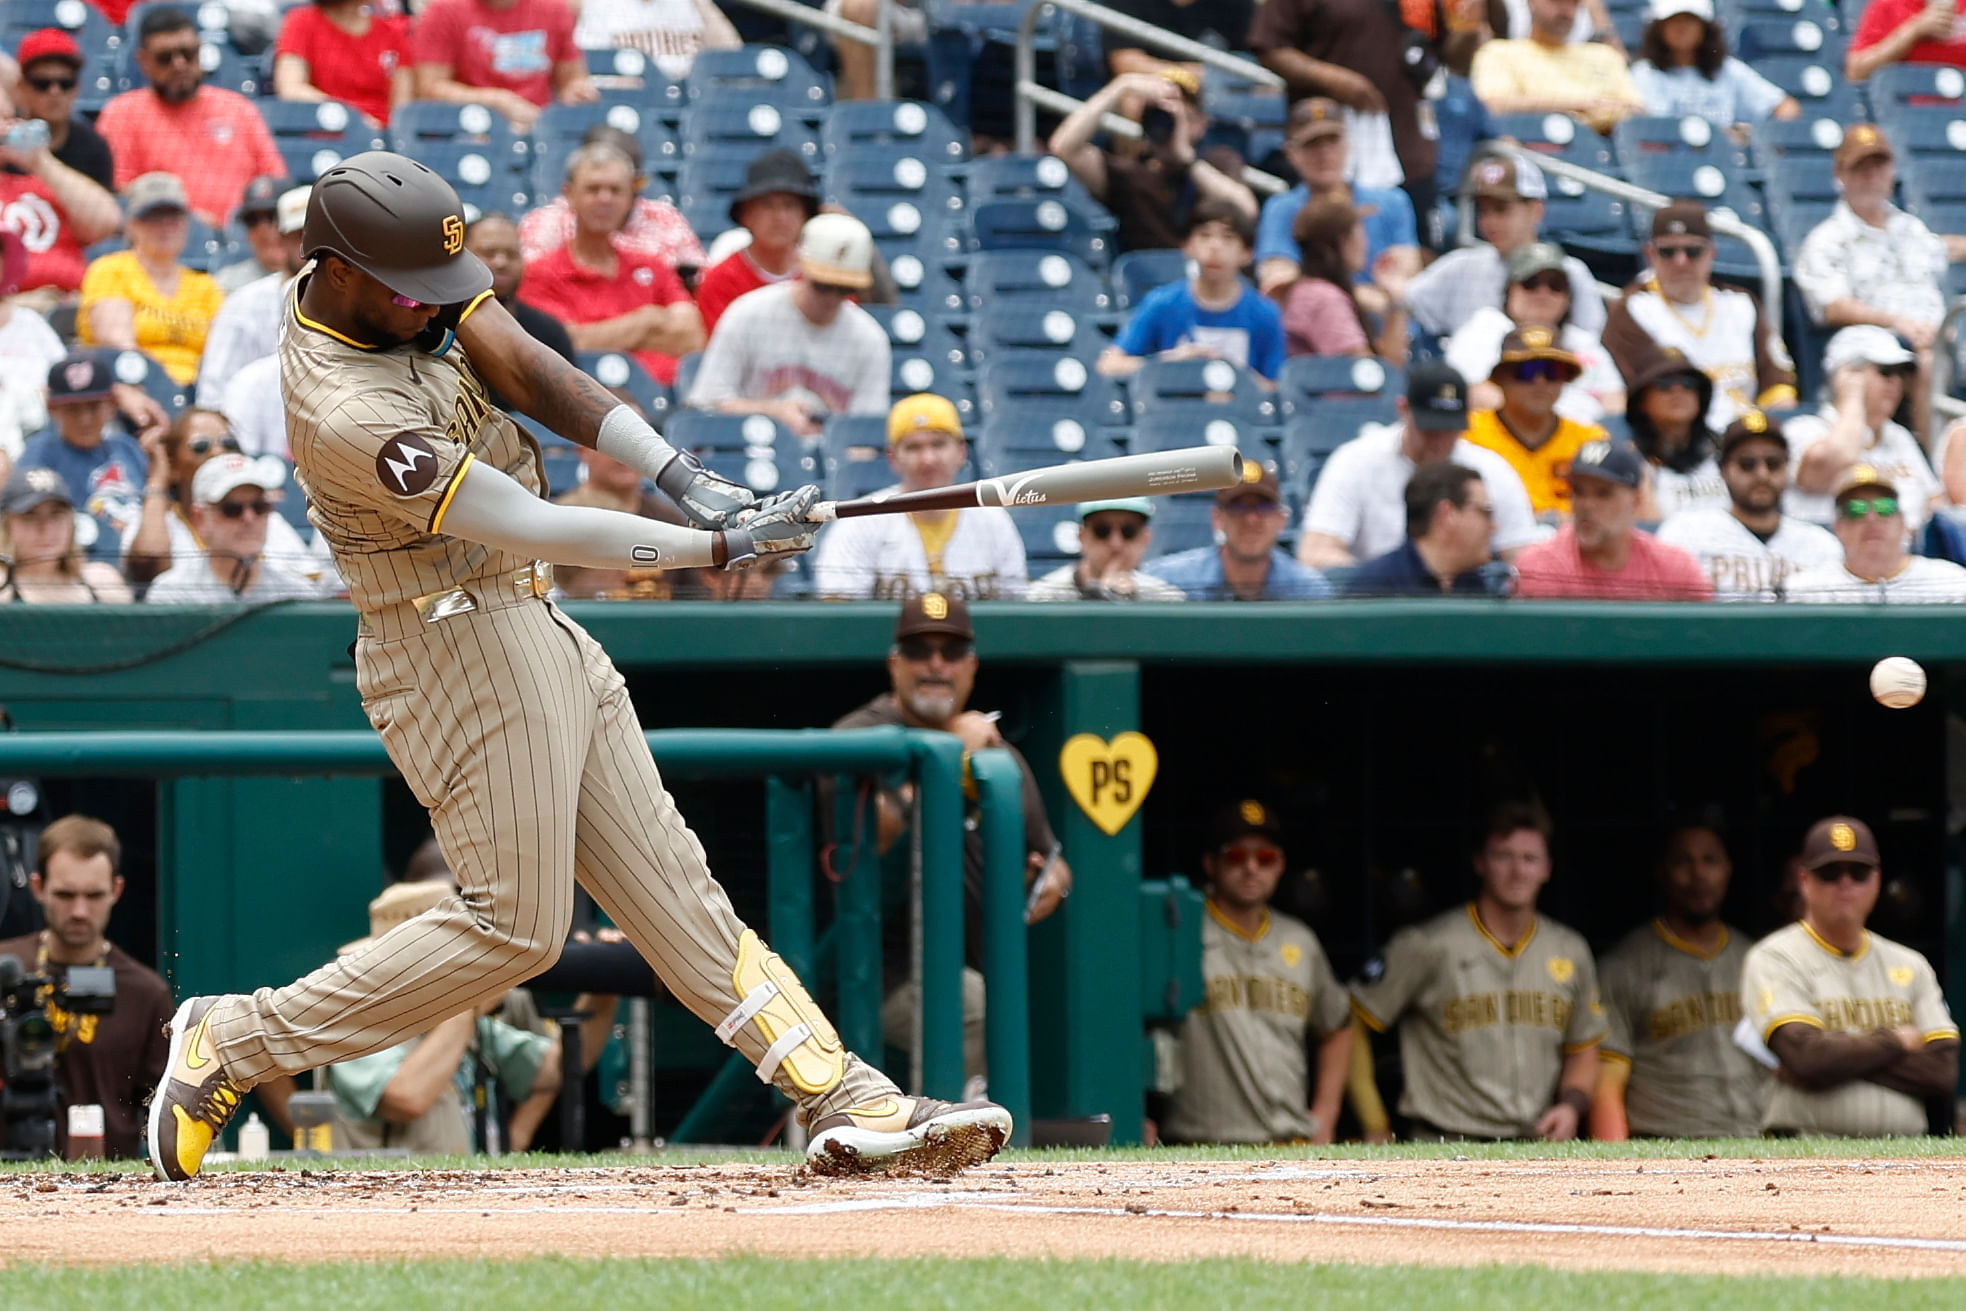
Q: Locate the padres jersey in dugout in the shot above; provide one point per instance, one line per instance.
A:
(1483, 1026)
(1672, 1010)
(1792, 976)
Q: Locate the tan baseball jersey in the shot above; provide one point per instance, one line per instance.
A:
(1245, 1070)
(1483, 1026)
(1671, 1011)
(403, 423)
(515, 731)
(1793, 977)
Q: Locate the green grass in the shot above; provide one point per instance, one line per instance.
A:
(763, 1284)
(1643, 1150)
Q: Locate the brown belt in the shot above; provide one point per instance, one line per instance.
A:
(494, 592)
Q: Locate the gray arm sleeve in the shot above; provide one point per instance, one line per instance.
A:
(490, 507)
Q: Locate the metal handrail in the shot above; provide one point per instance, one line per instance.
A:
(1726, 225)
(880, 36)
(1030, 93)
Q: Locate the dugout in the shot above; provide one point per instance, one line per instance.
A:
(1379, 729)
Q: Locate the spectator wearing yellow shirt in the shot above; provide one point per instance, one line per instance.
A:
(145, 298)
(1527, 431)
(1546, 72)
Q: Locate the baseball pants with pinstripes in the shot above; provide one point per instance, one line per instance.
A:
(514, 729)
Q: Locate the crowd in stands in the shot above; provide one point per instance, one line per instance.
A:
(801, 291)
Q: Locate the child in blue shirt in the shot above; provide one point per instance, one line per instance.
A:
(1214, 315)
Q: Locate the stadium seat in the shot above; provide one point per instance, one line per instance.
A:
(1032, 323)
(1819, 85)
(1313, 433)
(1931, 140)
(686, 368)
(1734, 13)
(759, 75)
(853, 456)
(474, 172)
(313, 137)
(1035, 436)
(559, 459)
(1138, 272)
(1309, 379)
(1559, 136)
(1051, 536)
(662, 156)
(1575, 215)
(1811, 134)
(1173, 430)
(625, 74)
(1060, 280)
(1047, 225)
(1200, 388)
(1033, 177)
(727, 128)
(874, 127)
(564, 125)
(1897, 87)
(619, 371)
(869, 183)
(1690, 136)
(913, 334)
(1691, 177)
(1060, 383)
(141, 370)
(1759, 39)
(420, 122)
(925, 284)
(93, 32)
(753, 449)
(1182, 523)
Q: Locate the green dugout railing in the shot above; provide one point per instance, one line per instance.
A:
(786, 759)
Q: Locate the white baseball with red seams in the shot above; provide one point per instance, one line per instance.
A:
(1897, 682)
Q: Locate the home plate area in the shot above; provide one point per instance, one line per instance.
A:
(1872, 1217)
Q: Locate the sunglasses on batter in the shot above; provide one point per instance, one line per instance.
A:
(1858, 507)
(918, 650)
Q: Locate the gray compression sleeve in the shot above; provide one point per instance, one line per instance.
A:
(628, 438)
(490, 507)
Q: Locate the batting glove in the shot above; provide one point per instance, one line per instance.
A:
(776, 526)
(708, 500)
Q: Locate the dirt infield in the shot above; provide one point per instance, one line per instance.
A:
(1877, 1217)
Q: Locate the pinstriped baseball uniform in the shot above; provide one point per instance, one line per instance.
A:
(508, 722)
(1794, 977)
(1483, 1027)
(1672, 1012)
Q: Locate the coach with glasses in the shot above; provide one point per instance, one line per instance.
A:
(230, 509)
(1113, 540)
(1857, 1022)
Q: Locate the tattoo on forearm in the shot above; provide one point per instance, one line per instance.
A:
(567, 400)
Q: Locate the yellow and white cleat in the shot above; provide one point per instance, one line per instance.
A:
(908, 1134)
(195, 1098)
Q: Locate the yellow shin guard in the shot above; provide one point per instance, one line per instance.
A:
(798, 1036)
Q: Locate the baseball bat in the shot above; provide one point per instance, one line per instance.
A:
(1154, 473)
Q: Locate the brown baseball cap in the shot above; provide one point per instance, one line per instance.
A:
(934, 612)
(1682, 218)
(1839, 840)
(1508, 178)
(1860, 476)
(1861, 141)
(1534, 343)
(1314, 118)
(1258, 480)
(1752, 426)
(1240, 819)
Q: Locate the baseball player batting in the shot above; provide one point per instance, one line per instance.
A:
(506, 719)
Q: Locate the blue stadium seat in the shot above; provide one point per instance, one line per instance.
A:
(753, 449)
(206, 248)
(1759, 39)
(1138, 272)
(619, 371)
(141, 370)
(92, 31)
(1690, 136)
(686, 368)
(474, 172)
(1059, 279)
(1819, 85)
(1049, 225)
(1032, 323)
(913, 335)
(1574, 214)
(313, 137)
(1170, 430)
(1059, 383)
(1036, 436)
(726, 127)
(565, 125)
(1557, 135)
(1690, 177)
(863, 183)
(416, 127)
(1734, 13)
(1811, 134)
(1051, 536)
(1897, 87)
(1200, 388)
(908, 127)
(763, 75)
(904, 231)
(853, 456)
(559, 459)
(662, 156)
(1033, 177)
(1309, 379)
(1311, 435)
(925, 284)
(630, 75)
(1182, 523)
(290, 503)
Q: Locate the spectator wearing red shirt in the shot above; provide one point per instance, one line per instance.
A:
(514, 56)
(54, 210)
(1907, 32)
(343, 50)
(1601, 554)
(777, 199)
(653, 227)
(115, 10)
(212, 138)
(611, 299)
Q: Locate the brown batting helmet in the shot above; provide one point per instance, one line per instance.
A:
(398, 222)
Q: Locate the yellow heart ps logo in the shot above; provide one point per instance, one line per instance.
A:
(1109, 780)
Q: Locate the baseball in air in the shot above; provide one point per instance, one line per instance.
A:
(1897, 682)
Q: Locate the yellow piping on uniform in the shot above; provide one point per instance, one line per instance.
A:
(1768, 1030)
(306, 322)
(1261, 932)
(464, 466)
(1678, 943)
(1366, 1017)
(1616, 1061)
(476, 301)
(1941, 1035)
(1833, 950)
(1574, 1048)
(1474, 918)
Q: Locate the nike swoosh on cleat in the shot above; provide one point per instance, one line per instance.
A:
(192, 1060)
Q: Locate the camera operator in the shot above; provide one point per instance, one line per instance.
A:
(111, 1060)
